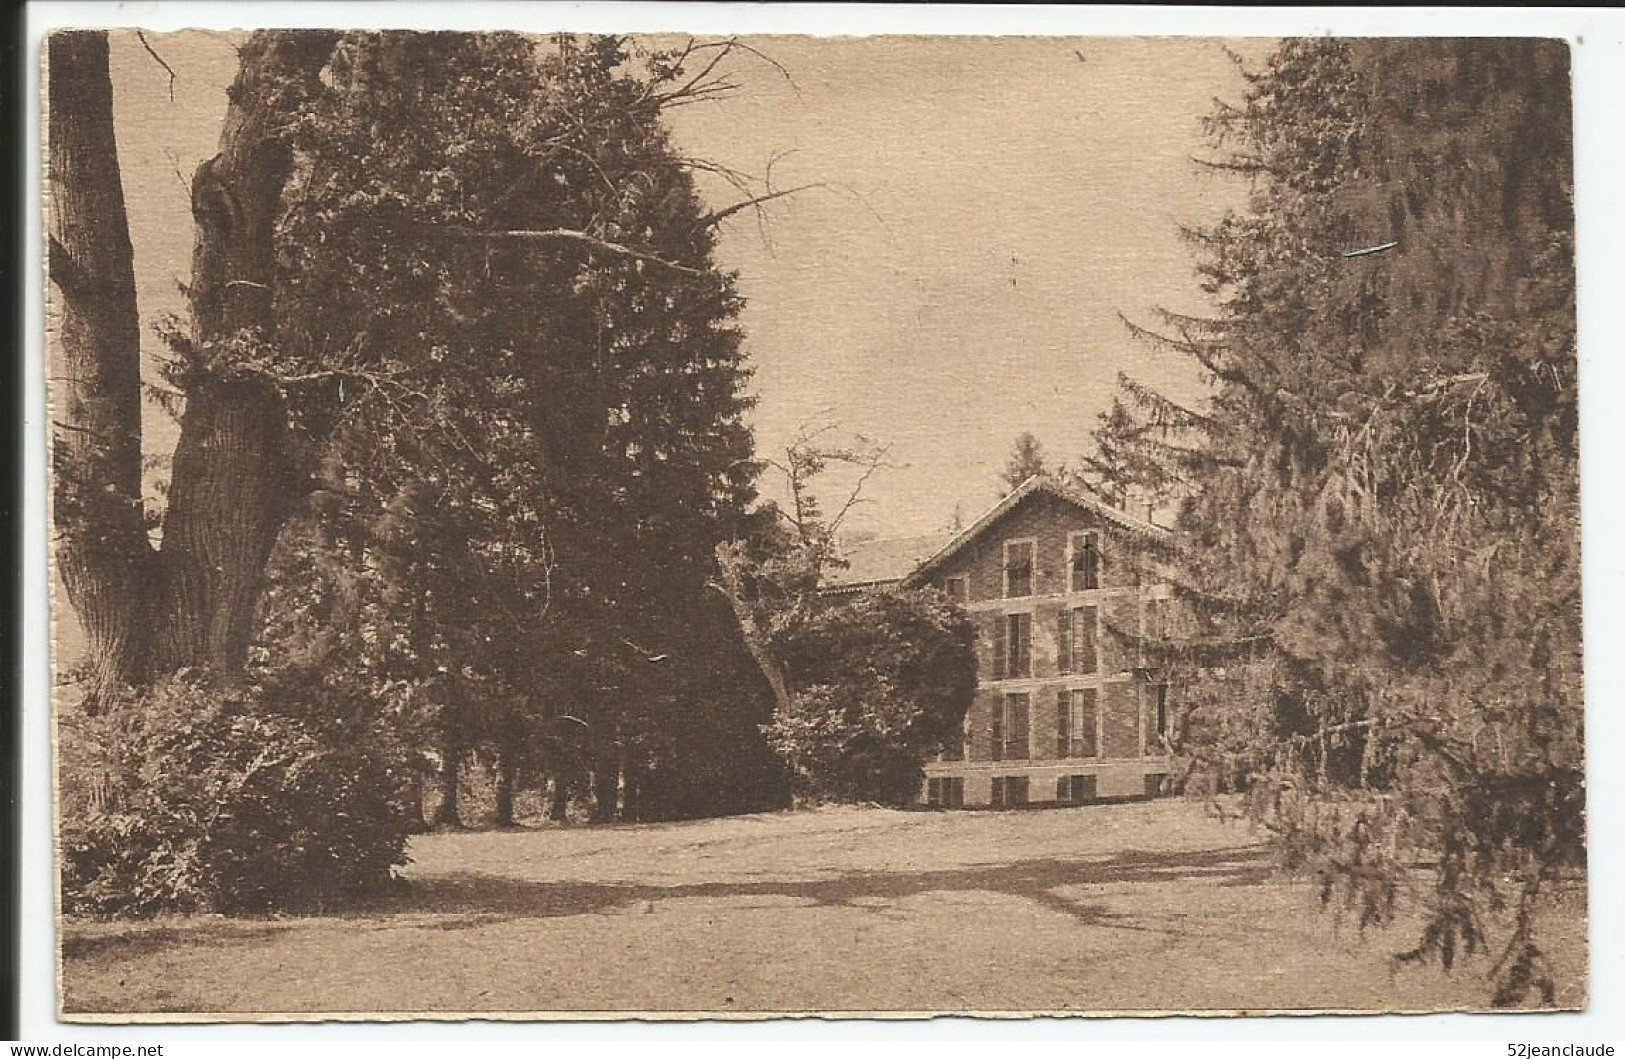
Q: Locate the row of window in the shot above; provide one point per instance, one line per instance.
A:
(1084, 566)
(1017, 790)
(948, 792)
(1077, 641)
(1077, 725)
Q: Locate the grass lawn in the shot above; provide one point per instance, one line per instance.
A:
(1124, 908)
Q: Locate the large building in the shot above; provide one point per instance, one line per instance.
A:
(1066, 711)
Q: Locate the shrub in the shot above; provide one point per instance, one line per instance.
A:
(887, 679)
(197, 797)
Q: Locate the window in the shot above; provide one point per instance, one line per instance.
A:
(1158, 702)
(1018, 568)
(1075, 790)
(1010, 790)
(1153, 784)
(1010, 728)
(1085, 561)
(1156, 619)
(1012, 646)
(1076, 651)
(958, 589)
(1020, 636)
(1077, 720)
(945, 792)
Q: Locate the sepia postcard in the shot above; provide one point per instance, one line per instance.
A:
(599, 527)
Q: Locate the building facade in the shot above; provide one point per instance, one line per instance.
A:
(1066, 711)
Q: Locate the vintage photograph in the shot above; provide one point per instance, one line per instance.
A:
(603, 527)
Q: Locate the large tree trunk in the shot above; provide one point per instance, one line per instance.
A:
(606, 786)
(416, 823)
(232, 476)
(632, 773)
(507, 775)
(731, 562)
(102, 551)
(559, 809)
(448, 814)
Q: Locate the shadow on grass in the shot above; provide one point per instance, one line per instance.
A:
(491, 897)
(455, 901)
(131, 940)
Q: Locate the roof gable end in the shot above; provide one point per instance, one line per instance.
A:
(1037, 484)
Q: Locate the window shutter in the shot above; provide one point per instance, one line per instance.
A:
(1088, 719)
(999, 648)
(1063, 723)
(1019, 650)
(1117, 645)
(998, 732)
(1063, 642)
(1084, 648)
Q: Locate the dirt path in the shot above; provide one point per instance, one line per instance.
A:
(1139, 907)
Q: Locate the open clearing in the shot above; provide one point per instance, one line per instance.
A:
(1138, 907)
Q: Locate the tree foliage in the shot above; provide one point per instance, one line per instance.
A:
(881, 680)
(461, 399)
(1378, 555)
(499, 295)
(1026, 460)
(204, 797)
(863, 686)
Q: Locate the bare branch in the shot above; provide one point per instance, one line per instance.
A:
(571, 235)
(871, 463)
(711, 220)
(695, 86)
(742, 46)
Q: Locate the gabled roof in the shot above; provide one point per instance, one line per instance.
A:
(1039, 483)
(881, 562)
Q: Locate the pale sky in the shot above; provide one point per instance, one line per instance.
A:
(992, 205)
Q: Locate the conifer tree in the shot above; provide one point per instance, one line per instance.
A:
(540, 391)
(1377, 550)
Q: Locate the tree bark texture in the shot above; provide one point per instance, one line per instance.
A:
(606, 787)
(507, 776)
(730, 562)
(192, 602)
(448, 813)
(232, 476)
(632, 774)
(415, 821)
(102, 551)
(559, 807)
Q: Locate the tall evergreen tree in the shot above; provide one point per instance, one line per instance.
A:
(1378, 549)
(547, 421)
(1026, 459)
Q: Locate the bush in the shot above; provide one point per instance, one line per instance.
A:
(887, 679)
(200, 798)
